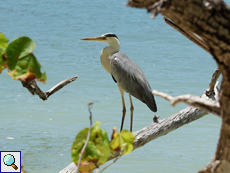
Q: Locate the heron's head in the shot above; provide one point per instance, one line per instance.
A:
(109, 38)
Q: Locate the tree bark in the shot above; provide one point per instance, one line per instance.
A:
(208, 20)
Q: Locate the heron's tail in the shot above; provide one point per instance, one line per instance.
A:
(151, 103)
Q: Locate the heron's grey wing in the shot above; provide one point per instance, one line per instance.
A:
(131, 78)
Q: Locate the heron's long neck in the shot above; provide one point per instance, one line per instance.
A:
(106, 53)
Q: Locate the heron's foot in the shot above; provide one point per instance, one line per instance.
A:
(155, 119)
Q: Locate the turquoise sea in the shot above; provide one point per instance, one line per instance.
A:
(44, 130)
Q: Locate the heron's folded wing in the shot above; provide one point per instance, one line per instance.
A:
(131, 78)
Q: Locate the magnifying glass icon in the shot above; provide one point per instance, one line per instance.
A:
(9, 160)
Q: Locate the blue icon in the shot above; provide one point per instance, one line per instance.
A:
(9, 160)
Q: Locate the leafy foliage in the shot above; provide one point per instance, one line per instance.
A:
(122, 141)
(99, 148)
(18, 58)
(3, 44)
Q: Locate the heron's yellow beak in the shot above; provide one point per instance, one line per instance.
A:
(99, 38)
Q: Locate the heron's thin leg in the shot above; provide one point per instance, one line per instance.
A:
(123, 104)
(124, 112)
(131, 110)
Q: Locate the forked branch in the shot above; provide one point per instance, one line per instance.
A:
(210, 105)
(207, 105)
(34, 89)
(88, 136)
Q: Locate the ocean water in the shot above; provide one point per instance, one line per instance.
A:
(44, 130)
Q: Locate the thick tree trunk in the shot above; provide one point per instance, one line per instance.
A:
(209, 21)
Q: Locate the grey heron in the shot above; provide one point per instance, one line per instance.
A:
(128, 76)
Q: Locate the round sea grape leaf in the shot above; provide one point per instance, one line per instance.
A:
(21, 61)
(104, 150)
(90, 158)
(91, 154)
(97, 150)
(27, 68)
(17, 49)
(101, 141)
(96, 131)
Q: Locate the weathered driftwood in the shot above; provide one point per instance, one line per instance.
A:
(211, 106)
(166, 125)
(156, 130)
(33, 88)
(208, 20)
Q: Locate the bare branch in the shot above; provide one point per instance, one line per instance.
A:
(156, 130)
(208, 105)
(203, 103)
(60, 85)
(114, 161)
(88, 136)
(33, 88)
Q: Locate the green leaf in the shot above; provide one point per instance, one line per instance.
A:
(90, 157)
(102, 145)
(3, 62)
(82, 135)
(96, 131)
(97, 150)
(123, 141)
(3, 44)
(78, 144)
(92, 154)
(127, 136)
(28, 68)
(115, 144)
(17, 49)
(127, 141)
(105, 138)
(22, 62)
(3, 41)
